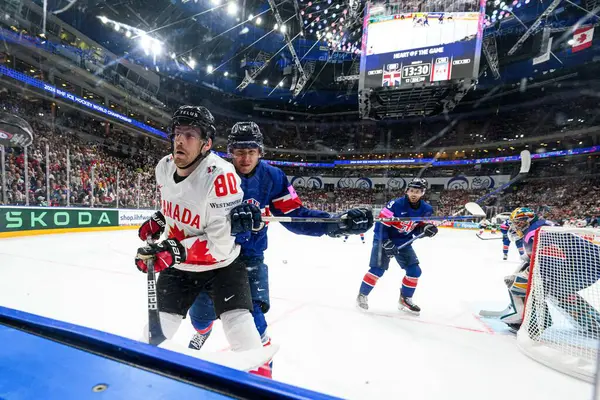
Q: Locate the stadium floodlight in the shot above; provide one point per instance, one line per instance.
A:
(275, 27)
(571, 42)
(225, 73)
(258, 21)
(146, 42)
(117, 27)
(283, 28)
(250, 17)
(216, 2)
(192, 63)
(103, 19)
(281, 84)
(265, 82)
(232, 8)
(128, 34)
(245, 30)
(156, 47)
(209, 69)
(173, 56)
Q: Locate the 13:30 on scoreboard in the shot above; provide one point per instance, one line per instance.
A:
(420, 47)
(441, 67)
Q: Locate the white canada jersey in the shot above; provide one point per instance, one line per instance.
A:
(197, 211)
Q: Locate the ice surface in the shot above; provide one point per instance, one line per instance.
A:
(326, 343)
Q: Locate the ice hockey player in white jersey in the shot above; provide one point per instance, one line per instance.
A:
(198, 190)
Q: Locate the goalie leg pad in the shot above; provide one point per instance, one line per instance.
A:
(515, 316)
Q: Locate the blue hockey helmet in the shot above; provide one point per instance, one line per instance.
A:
(245, 135)
(417, 183)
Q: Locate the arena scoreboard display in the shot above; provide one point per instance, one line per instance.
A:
(400, 50)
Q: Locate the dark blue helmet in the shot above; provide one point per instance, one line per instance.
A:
(417, 183)
(195, 116)
(245, 135)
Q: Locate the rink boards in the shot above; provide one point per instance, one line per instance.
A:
(49, 359)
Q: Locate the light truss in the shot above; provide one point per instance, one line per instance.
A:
(302, 79)
(535, 26)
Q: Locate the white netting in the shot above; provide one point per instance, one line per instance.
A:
(561, 325)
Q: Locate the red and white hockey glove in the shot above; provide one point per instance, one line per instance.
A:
(153, 227)
(166, 254)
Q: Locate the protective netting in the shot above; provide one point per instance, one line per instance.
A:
(561, 325)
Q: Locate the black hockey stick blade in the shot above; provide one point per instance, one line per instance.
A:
(155, 333)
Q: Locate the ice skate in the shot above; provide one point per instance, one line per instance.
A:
(362, 302)
(406, 304)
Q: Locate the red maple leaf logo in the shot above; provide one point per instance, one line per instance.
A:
(176, 233)
(582, 38)
(198, 254)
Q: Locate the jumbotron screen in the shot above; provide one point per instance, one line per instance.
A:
(420, 47)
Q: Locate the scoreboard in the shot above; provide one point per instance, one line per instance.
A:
(406, 49)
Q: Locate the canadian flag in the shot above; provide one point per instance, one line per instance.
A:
(582, 38)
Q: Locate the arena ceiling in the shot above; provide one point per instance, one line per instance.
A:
(213, 40)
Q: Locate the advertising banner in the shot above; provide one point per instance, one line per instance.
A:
(134, 217)
(13, 219)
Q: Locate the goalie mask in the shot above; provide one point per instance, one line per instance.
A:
(520, 220)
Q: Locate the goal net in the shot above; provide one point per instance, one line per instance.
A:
(561, 323)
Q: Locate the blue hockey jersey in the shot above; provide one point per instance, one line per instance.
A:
(402, 231)
(268, 188)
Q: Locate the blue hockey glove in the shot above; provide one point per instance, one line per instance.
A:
(354, 222)
(389, 248)
(430, 230)
(246, 218)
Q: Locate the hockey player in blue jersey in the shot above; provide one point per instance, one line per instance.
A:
(268, 192)
(388, 241)
(504, 228)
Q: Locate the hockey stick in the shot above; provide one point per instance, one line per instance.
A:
(410, 241)
(492, 238)
(525, 166)
(495, 314)
(395, 219)
(155, 333)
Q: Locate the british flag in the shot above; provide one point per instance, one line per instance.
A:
(391, 78)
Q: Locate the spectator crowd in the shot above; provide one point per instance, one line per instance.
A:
(109, 166)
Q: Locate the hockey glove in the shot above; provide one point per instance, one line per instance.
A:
(430, 230)
(166, 254)
(389, 248)
(245, 218)
(354, 221)
(153, 227)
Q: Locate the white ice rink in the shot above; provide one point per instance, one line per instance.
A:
(326, 343)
